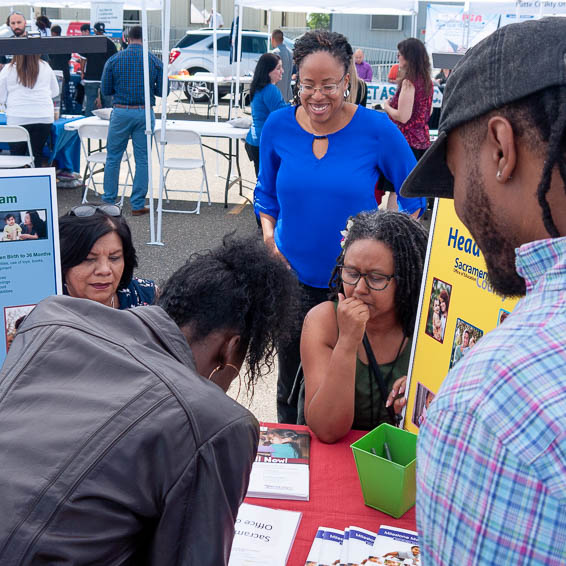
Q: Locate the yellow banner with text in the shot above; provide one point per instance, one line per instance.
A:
(457, 307)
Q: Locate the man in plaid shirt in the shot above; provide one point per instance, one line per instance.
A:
(491, 456)
(123, 78)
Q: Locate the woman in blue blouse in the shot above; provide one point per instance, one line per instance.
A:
(319, 164)
(265, 98)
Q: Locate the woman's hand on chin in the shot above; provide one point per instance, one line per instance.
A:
(352, 315)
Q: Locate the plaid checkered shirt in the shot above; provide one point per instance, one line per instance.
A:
(123, 77)
(491, 477)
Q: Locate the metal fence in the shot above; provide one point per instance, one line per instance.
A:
(380, 60)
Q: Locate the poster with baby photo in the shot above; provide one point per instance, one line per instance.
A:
(422, 402)
(438, 309)
(466, 336)
(22, 225)
(13, 318)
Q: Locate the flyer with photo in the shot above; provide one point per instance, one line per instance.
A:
(29, 245)
(281, 467)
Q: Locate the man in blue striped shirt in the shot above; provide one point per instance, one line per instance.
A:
(491, 474)
(123, 79)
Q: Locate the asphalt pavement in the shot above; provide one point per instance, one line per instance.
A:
(184, 234)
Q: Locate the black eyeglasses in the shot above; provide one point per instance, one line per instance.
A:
(328, 89)
(85, 210)
(374, 280)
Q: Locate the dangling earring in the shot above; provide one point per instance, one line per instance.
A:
(347, 93)
(220, 367)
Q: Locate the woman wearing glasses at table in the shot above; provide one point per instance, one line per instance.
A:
(98, 258)
(375, 290)
(319, 164)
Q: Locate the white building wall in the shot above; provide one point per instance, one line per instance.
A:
(180, 15)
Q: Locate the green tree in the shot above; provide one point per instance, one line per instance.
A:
(318, 21)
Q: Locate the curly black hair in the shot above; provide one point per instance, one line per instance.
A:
(407, 239)
(322, 40)
(238, 286)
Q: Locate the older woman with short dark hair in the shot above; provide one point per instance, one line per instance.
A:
(98, 258)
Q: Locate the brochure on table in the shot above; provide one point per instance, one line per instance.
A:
(457, 307)
(263, 536)
(281, 468)
(390, 546)
(29, 256)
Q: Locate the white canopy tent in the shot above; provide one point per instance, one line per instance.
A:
(381, 7)
(144, 5)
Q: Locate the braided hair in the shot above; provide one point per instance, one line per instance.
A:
(322, 40)
(407, 240)
(544, 114)
(238, 286)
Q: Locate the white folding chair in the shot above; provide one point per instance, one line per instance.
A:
(183, 137)
(14, 134)
(98, 157)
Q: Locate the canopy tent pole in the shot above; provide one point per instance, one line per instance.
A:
(148, 132)
(166, 26)
(215, 59)
(269, 27)
(414, 19)
(215, 70)
(234, 53)
(239, 61)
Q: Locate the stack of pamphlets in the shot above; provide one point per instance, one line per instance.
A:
(390, 546)
(263, 536)
(281, 468)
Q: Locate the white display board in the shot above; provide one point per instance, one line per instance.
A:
(111, 14)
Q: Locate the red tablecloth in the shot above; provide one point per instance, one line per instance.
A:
(335, 497)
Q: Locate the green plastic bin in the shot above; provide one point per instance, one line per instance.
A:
(389, 486)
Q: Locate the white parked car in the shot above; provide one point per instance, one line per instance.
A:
(195, 52)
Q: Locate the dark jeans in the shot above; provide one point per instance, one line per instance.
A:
(91, 94)
(253, 154)
(290, 358)
(38, 134)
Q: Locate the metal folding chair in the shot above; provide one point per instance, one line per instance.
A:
(98, 157)
(185, 138)
(15, 134)
(199, 92)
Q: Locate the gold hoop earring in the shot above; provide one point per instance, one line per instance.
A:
(220, 367)
(217, 368)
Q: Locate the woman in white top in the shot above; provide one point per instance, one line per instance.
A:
(27, 88)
